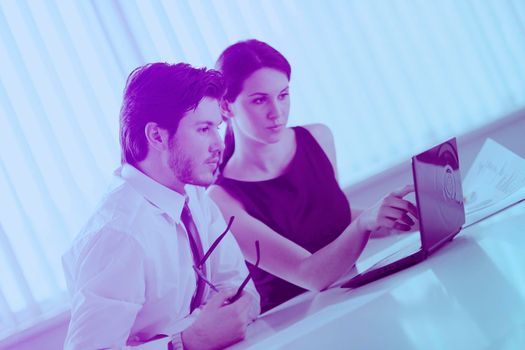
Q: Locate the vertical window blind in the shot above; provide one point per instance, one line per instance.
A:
(389, 78)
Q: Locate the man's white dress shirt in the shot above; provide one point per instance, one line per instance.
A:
(130, 270)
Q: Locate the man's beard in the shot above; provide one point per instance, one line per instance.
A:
(182, 166)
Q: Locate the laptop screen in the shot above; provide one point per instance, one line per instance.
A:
(439, 196)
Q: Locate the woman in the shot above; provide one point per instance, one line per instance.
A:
(280, 183)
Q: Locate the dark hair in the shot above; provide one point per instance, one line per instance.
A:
(236, 63)
(161, 93)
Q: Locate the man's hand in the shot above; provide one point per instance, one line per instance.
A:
(390, 213)
(219, 324)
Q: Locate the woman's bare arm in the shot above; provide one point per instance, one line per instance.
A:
(286, 259)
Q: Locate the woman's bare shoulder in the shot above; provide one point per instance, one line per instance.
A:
(324, 137)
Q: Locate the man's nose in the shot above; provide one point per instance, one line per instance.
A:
(217, 143)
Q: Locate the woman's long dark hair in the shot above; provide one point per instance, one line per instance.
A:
(236, 64)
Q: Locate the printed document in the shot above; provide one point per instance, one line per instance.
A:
(495, 181)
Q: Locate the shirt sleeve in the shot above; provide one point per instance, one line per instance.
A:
(228, 266)
(107, 281)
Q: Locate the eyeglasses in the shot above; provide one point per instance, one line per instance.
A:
(200, 273)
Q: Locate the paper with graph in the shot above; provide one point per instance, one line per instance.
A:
(495, 181)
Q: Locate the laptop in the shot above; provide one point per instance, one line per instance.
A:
(439, 199)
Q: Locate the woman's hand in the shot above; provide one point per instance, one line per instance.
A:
(390, 213)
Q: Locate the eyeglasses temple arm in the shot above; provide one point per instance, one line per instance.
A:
(247, 279)
(217, 241)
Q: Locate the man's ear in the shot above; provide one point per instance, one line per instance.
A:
(226, 108)
(156, 136)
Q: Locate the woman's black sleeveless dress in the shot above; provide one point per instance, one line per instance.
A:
(305, 205)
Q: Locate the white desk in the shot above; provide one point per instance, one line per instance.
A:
(468, 295)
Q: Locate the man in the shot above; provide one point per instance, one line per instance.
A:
(133, 269)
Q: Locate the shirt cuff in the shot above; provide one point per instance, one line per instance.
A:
(157, 344)
(162, 343)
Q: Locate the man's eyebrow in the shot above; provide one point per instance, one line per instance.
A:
(208, 122)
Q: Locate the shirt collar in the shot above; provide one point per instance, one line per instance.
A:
(167, 200)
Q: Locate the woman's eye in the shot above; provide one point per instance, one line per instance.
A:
(258, 100)
(283, 96)
(204, 130)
